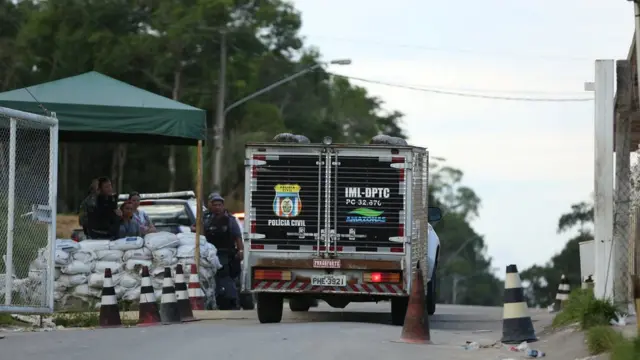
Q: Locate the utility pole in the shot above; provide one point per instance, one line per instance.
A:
(218, 135)
(454, 290)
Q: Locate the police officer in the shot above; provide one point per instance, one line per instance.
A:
(221, 229)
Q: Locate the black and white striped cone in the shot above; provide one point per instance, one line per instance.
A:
(148, 310)
(517, 326)
(169, 312)
(109, 311)
(563, 293)
(186, 314)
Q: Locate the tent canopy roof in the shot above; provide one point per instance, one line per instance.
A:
(95, 107)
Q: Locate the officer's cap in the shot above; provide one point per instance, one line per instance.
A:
(215, 197)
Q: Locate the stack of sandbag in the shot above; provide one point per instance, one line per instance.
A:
(291, 138)
(79, 266)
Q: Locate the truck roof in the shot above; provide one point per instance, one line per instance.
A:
(351, 146)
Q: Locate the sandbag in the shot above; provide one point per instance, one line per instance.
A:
(166, 262)
(128, 243)
(119, 291)
(109, 255)
(190, 239)
(56, 273)
(67, 245)
(72, 280)
(62, 257)
(159, 240)
(302, 139)
(76, 267)
(189, 251)
(132, 294)
(84, 256)
(137, 254)
(163, 255)
(129, 281)
(84, 291)
(94, 245)
(115, 267)
(96, 280)
(135, 266)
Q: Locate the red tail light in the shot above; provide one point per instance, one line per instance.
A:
(399, 160)
(381, 277)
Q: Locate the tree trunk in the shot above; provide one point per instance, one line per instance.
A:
(122, 160)
(177, 76)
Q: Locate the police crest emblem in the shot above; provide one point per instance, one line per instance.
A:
(287, 203)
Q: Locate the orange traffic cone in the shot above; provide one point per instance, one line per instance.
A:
(148, 313)
(196, 295)
(182, 296)
(109, 311)
(416, 322)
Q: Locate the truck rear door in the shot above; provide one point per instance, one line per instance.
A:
(369, 201)
(286, 193)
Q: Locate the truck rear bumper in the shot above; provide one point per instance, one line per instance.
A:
(305, 287)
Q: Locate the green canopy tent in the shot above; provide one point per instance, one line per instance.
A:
(95, 107)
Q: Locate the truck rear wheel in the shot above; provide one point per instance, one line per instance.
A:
(399, 307)
(299, 304)
(269, 308)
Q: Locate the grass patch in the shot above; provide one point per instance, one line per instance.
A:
(7, 319)
(628, 349)
(583, 308)
(601, 339)
(86, 319)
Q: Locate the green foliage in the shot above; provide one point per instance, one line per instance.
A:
(544, 279)
(602, 339)
(583, 308)
(628, 349)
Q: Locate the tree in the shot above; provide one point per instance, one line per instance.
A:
(544, 280)
(172, 48)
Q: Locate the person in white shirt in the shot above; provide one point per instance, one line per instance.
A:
(141, 217)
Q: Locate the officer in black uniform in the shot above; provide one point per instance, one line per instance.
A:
(221, 229)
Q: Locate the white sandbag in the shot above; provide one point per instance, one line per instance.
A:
(128, 243)
(119, 291)
(67, 245)
(84, 256)
(189, 251)
(135, 266)
(94, 245)
(76, 267)
(132, 294)
(167, 262)
(163, 255)
(159, 240)
(109, 255)
(129, 281)
(62, 257)
(60, 287)
(115, 267)
(96, 280)
(156, 282)
(214, 261)
(40, 261)
(137, 254)
(84, 291)
(56, 273)
(157, 271)
(158, 293)
(190, 239)
(58, 295)
(72, 280)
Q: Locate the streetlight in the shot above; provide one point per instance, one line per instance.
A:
(221, 115)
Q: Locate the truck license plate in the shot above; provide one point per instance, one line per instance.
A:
(328, 280)
(326, 263)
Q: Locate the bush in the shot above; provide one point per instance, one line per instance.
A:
(601, 339)
(583, 308)
(627, 350)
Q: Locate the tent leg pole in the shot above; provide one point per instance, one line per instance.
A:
(198, 204)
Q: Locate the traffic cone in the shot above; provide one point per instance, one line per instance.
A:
(148, 313)
(196, 295)
(109, 311)
(563, 293)
(416, 321)
(517, 326)
(169, 312)
(186, 314)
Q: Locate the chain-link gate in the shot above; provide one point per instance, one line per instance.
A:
(28, 190)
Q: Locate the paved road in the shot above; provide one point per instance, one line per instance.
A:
(358, 332)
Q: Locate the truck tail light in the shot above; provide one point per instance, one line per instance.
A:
(381, 277)
(267, 274)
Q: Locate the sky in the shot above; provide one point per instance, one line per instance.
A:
(528, 161)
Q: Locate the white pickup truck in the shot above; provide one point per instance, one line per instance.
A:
(337, 222)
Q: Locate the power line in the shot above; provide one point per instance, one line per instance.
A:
(456, 50)
(462, 94)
